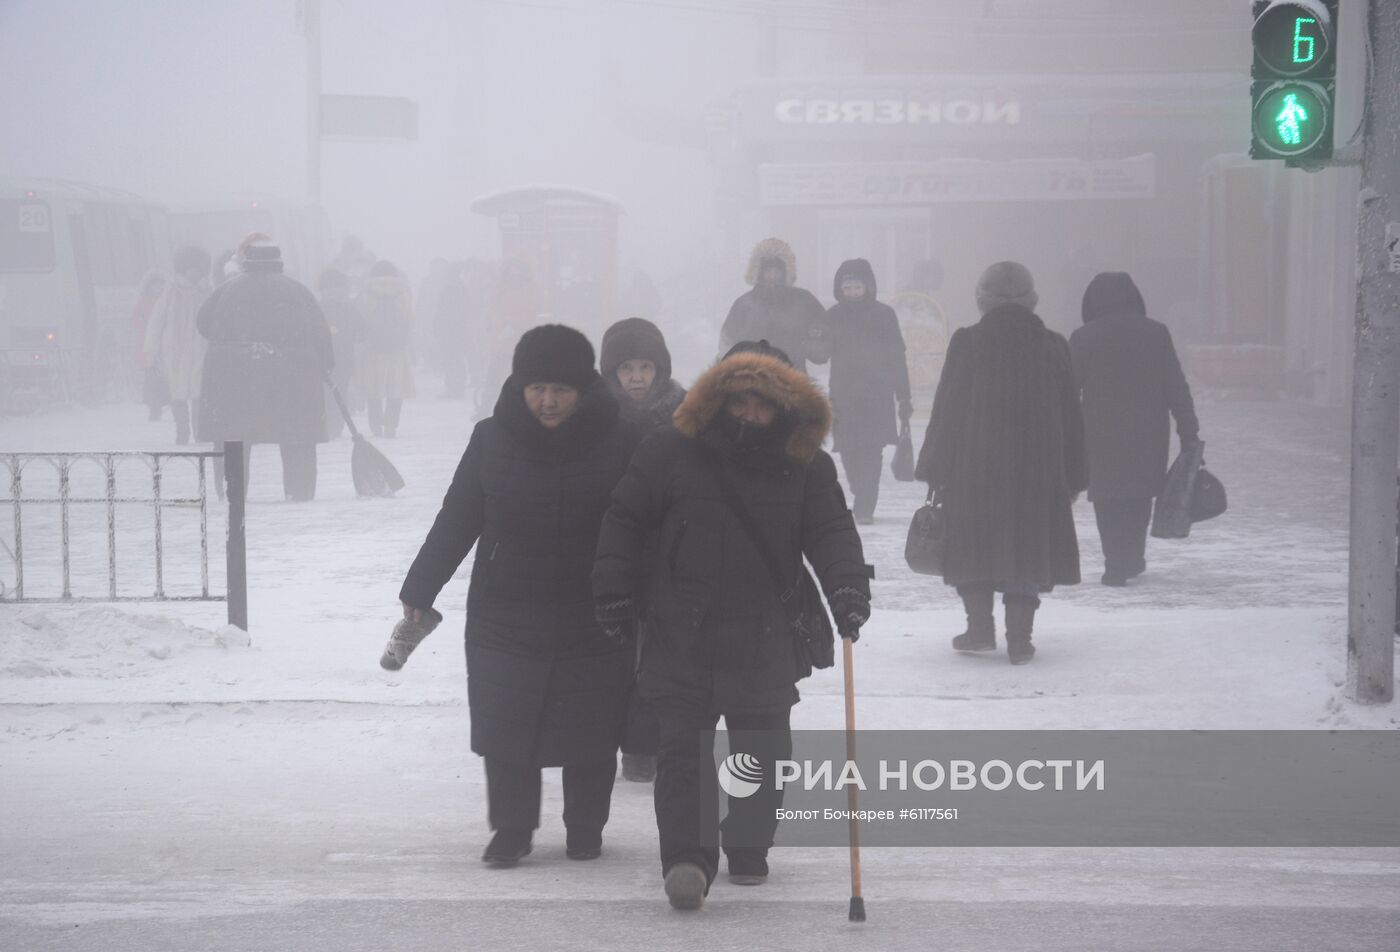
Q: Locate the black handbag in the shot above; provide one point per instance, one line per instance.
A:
(928, 530)
(814, 638)
(1191, 494)
(902, 466)
(1207, 496)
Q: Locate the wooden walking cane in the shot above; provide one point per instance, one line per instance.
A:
(857, 913)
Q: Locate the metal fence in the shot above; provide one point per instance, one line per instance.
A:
(65, 465)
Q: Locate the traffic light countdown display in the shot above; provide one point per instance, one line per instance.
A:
(1294, 79)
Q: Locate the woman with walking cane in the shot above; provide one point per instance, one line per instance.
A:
(545, 687)
(732, 499)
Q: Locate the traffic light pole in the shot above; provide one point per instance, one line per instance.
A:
(1375, 426)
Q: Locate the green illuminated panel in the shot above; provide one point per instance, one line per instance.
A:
(1290, 119)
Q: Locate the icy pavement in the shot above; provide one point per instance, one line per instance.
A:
(165, 784)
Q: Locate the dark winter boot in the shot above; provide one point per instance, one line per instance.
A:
(981, 634)
(686, 885)
(1020, 620)
(583, 844)
(747, 867)
(507, 848)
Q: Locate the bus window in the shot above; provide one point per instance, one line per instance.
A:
(26, 236)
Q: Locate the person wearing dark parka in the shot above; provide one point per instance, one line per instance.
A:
(869, 382)
(732, 498)
(1004, 453)
(545, 687)
(264, 370)
(1130, 379)
(636, 365)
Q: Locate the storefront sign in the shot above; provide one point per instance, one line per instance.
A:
(956, 180)
(994, 109)
(884, 112)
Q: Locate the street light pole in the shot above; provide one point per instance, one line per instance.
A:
(1375, 422)
(311, 25)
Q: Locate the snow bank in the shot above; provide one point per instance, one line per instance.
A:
(105, 643)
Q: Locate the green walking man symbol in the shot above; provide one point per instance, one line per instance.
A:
(1289, 129)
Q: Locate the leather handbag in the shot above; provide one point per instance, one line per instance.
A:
(923, 547)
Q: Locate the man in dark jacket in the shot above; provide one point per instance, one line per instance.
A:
(1128, 374)
(776, 310)
(869, 381)
(1004, 452)
(544, 686)
(720, 641)
(269, 350)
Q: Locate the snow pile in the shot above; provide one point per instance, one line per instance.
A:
(101, 642)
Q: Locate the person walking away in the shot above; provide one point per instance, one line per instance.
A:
(154, 393)
(869, 382)
(1129, 377)
(385, 374)
(269, 348)
(1004, 452)
(636, 366)
(173, 343)
(775, 309)
(347, 326)
(545, 687)
(678, 553)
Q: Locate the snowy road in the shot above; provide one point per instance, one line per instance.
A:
(164, 785)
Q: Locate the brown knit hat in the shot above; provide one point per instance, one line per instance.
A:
(634, 338)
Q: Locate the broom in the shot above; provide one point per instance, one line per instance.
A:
(370, 469)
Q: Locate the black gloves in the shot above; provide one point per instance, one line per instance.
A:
(906, 410)
(851, 609)
(617, 616)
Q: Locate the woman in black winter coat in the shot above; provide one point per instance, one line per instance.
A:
(636, 366)
(1128, 374)
(544, 686)
(719, 639)
(869, 382)
(1004, 452)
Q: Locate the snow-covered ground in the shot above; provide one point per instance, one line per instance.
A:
(169, 783)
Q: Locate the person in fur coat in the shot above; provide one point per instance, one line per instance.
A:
(719, 637)
(1005, 454)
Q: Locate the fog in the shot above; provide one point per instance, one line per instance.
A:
(673, 108)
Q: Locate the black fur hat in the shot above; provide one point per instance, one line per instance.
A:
(553, 353)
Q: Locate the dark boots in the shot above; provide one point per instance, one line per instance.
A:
(981, 634)
(1020, 619)
(507, 848)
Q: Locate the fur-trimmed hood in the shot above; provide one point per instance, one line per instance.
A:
(801, 401)
(772, 248)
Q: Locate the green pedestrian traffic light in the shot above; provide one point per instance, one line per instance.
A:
(1294, 79)
(1292, 119)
